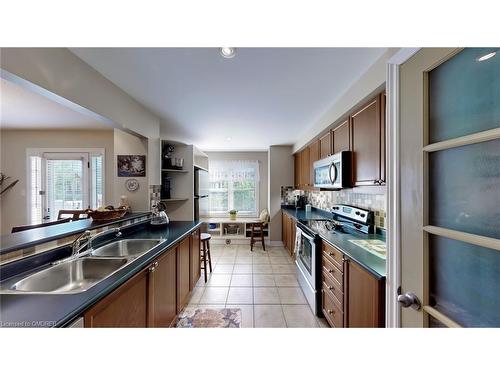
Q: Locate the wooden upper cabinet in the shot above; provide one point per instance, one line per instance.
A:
(325, 145)
(342, 137)
(366, 135)
(305, 168)
(195, 271)
(163, 285)
(313, 156)
(125, 307)
(365, 299)
(297, 163)
(183, 268)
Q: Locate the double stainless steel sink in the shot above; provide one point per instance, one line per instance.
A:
(79, 274)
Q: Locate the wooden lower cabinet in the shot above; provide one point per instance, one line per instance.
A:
(163, 290)
(195, 271)
(154, 296)
(183, 270)
(365, 298)
(125, 307)
(288, 233)
(350, 296)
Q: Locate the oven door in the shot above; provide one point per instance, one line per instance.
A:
(306, 258)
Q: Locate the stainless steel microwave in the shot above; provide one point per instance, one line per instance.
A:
(334, 172)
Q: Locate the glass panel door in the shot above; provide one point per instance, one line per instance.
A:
(66, 183)
(450, 187)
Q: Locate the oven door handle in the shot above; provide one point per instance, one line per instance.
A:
(311, 239)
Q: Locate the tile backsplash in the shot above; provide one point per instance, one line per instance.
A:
(326, 199)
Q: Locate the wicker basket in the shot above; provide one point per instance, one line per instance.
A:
(111, 213)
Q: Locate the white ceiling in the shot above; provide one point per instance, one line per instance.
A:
(21, 108)
(260, 97)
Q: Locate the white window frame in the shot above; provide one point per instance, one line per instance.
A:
(40, 152)
(230, 199)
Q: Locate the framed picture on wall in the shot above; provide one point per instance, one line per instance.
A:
(131, 165)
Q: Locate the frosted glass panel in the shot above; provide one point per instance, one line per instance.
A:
(465, 282)
(464, 188)
(464, 95)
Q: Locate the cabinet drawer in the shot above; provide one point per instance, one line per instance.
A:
(332, 286)
(331, 311)
(333, 271)
(333, 255)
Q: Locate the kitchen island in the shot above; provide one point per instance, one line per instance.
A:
(179, 241)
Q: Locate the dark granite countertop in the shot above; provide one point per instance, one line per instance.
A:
(372, 263)
(15, 241)
(55, 310)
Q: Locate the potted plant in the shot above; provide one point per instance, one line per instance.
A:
(232, 214)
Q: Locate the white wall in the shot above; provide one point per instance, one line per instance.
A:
(261, 156)
(127, 144)
(64, 74)
(369, 83)
(281, 172)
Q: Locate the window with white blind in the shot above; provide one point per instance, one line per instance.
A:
(64, 180)
(234, 185)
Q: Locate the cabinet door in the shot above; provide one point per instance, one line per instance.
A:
(297, 165)
(163, 289)
(305, 168)
(365, 299)
(342, 137)
(125, 307)
(365, 131)
(194, 259)
(292, 237)
(182, 273)
(284, 232)
(325, 145)
(313, 156)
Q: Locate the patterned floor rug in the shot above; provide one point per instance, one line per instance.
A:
(209, 318)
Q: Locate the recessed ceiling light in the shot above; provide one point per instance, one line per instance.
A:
(228, 52)
(228, 139)
(487, 56)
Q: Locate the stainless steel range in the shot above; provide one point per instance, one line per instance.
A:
(345, 219)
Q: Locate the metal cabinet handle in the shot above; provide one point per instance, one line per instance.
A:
(152, 269)
(331, 254)
(330, 312)
(330, 271)
(156, 264)
(331, 288)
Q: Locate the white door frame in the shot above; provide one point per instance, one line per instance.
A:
(393, 261)
(40, 151)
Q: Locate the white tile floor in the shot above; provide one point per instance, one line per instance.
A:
(263, 284)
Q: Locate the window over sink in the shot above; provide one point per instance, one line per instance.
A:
(234, 185)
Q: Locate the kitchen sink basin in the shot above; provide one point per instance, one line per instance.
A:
(125, 248)
(74, 276)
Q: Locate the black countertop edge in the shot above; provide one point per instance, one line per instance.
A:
(32, 237)
(362, 257)
(62, 309)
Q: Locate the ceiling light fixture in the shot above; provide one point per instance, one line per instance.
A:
(486, 57)
(228, 139)
(228, 52)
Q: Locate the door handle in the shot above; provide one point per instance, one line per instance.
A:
(409, 300)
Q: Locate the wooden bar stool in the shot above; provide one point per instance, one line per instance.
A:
(260, 223)
(205, 253)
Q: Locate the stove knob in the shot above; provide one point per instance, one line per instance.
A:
(362, 215)
(357, 213)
